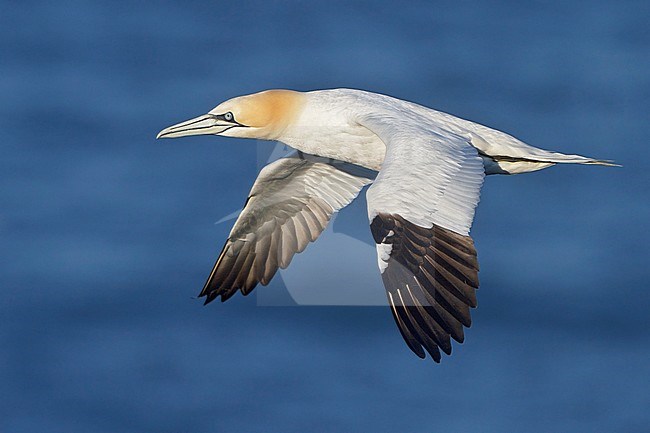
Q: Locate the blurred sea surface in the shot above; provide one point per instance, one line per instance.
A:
(107, 235)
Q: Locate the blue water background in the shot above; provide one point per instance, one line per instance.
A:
(107, 235)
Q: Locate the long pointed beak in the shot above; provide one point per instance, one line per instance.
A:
(206, 124)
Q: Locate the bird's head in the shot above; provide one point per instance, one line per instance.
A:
(261, 115)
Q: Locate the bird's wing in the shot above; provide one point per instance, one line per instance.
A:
(421, 207)
(289, 206)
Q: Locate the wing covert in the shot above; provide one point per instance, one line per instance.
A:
(421, 208)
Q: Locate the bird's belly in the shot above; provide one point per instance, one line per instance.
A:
(364, 150)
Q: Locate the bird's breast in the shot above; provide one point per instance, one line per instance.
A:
(357, 146)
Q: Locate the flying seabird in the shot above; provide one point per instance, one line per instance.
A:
(426, 168)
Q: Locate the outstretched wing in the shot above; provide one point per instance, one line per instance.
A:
(421, 208)
(290, 205)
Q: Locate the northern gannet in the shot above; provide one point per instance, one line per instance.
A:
(426, 168)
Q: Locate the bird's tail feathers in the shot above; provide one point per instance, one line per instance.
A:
(605, 162)
(541, 155)
(536, 161)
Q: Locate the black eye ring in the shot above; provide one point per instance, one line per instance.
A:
(228, 117)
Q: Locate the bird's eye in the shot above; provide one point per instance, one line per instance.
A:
(228, 116)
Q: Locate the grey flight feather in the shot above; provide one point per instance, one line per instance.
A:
(290, 204)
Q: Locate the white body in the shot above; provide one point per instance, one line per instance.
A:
(431, 166)
(329, 125)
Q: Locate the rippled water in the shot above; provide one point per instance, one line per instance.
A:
(107, 235)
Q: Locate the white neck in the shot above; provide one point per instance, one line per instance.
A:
(326, 127)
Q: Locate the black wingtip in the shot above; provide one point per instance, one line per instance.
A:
(209, 297)
(430, 279)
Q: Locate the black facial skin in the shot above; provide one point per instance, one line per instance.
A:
(230, 118)
(227, 117)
